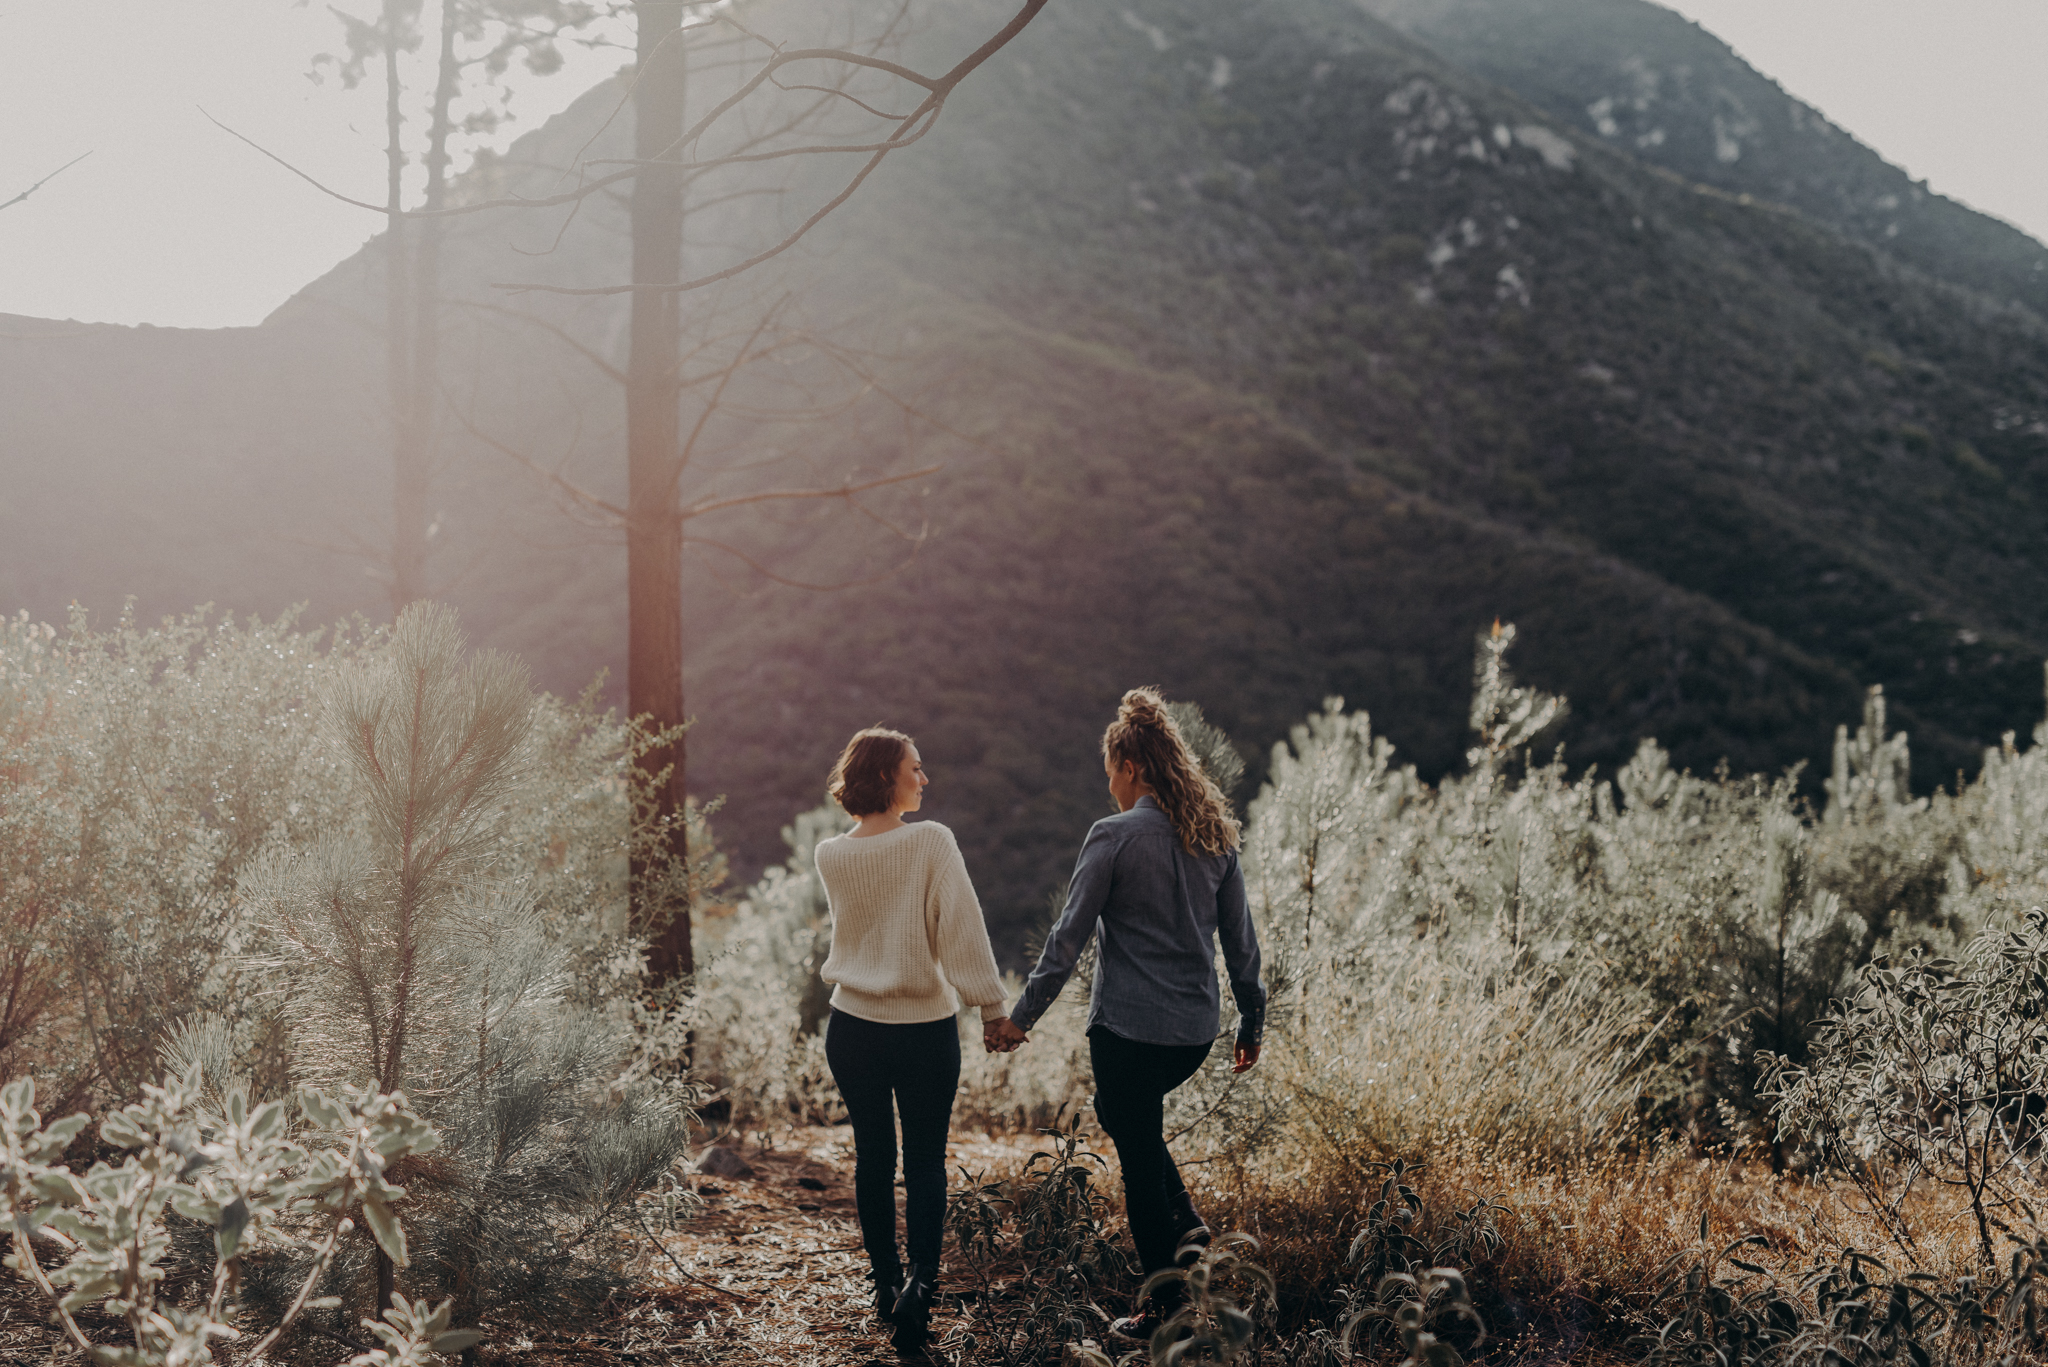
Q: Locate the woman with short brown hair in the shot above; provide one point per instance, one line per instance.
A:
(908, 947)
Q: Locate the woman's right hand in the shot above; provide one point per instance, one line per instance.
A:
(1001, 1035)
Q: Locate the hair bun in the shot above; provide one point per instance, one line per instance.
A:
(1144, 707)
(1144, 735)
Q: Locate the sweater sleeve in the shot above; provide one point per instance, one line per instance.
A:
(960, 935)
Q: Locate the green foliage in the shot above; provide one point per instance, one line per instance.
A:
(238, 1172)
(1210, 746)
(1048, 1227)
(758, 1004)
(1936, 1067)
(1210, 1326)
(412, 960)
(256, 858)
(1841, 1314)
(1506, 717)
(396, 939)
(1388, 1242)
(1421, 1310)
(142, 773)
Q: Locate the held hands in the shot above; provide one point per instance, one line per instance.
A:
(1001, 1035)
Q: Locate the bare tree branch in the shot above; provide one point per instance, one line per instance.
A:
(45, 180)
(560, 334)
(927, 113)
(575, 492)
(766, 573)
(937, 88)
(588, 188)
(730, 271)
(845, 491)
(886, 525)
(689, 445)
(909, 129)
(844, 357)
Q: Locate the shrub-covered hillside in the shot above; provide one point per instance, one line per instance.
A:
(1642, 78)
(1280, 355)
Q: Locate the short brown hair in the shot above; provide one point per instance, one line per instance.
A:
(863, 782)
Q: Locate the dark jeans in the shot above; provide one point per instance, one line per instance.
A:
(881, 1070)
(1131, 1083)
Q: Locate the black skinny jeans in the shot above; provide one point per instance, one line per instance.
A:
(1131, 1083)
(881, 1070)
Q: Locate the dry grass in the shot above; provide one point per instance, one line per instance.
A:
(1583, 1245)
(771, 1272)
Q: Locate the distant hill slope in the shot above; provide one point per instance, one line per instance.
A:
(1291, 354)
(1424, 271)
(1648, 81)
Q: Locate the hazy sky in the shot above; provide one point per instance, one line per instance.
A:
(170, 221)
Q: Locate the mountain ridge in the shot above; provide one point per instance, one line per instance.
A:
(1280, 385)
(1677, 96)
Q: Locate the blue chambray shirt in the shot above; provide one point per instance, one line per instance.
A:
(1156, 912)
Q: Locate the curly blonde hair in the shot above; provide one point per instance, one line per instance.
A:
(1144, 734)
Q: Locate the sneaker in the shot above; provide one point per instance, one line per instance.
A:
(913, 1312)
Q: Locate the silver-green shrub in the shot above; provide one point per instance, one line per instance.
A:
(241, 1174)
(141, 772)
(1518, 955)
(1691, 922)
(145, 771)
(1938, 1069)
(409, 951)
(359, 859)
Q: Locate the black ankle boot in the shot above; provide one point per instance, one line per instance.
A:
(888, 1289)
(913, 1315)
(1148, 1318)
(1190, 1230)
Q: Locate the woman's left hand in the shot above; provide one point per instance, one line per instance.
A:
(1001, 1035)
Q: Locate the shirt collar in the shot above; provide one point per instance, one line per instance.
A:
(1147, 801)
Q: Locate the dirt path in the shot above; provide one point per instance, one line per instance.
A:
(771, 1270)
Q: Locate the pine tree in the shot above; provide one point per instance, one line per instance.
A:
(416, 964)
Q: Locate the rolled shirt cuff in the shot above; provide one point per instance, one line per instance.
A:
(1251, 1026)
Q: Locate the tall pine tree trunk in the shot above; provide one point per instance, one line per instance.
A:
(397, 340)
(654, 631)
(414, 473)
(408, 542)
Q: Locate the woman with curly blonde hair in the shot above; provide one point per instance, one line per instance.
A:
(1158, 885)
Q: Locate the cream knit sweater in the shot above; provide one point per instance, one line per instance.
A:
(907, 933)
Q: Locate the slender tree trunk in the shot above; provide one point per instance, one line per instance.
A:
(397, 339)
(414, 451)
(654, 631)
(407, 558)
